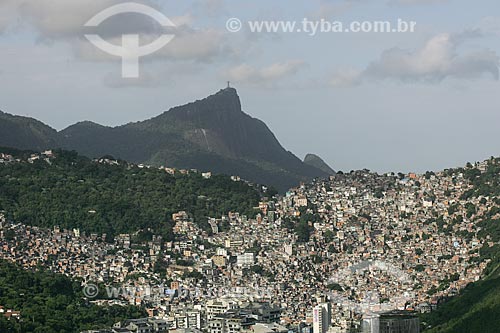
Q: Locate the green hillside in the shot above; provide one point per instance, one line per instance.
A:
(52, 303)
(477, 308)
(26, 133)
(75, 192)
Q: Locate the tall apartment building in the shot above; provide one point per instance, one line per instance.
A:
(322, 317)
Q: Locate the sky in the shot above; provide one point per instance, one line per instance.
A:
(385, 101)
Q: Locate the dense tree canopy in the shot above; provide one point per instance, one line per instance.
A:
(51, 303)
(75, 192)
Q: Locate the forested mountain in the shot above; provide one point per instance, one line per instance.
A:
(212, 134)
(72, 191)
(26, 133)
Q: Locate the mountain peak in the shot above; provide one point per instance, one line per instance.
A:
(212, 133)
(317, 162)
(224, 100)
(228, 90)
(88, 123)
(224, 104)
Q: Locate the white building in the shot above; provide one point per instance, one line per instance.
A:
(217, 307)
(245, 259)
(322, 317)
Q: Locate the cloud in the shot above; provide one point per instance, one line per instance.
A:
(435, 61)
(8, 14)
(199, 45)
(331, 8)
(63, 20)
(328, 9)
(59, 19)
(346, 77)
(249, 74)
(184, 20)
(415, 2)
(190, 45)
(211, 8)
(490, 25)
(153, 76)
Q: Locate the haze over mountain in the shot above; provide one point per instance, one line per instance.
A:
(212, 134)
